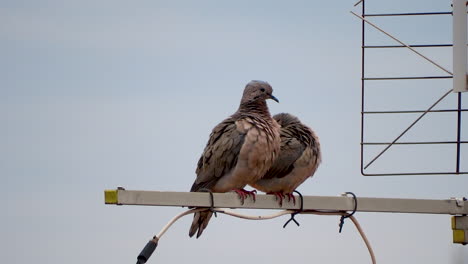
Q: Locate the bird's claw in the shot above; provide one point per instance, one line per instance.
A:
(244, 194)
(279, 197)
(291, 197)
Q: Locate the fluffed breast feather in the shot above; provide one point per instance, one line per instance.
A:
(237, 143)
(261, 145)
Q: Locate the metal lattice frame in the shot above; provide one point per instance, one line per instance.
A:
(364, 79)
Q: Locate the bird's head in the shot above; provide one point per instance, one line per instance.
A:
(257, 91)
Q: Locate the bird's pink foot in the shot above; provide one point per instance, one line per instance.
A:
(244, 194)
(279, 197)
(291, 197)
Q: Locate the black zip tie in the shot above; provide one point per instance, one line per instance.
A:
(211, 200)
(343, 217)
(301, 209)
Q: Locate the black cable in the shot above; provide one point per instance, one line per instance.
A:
(343, 217)
(147, 251)
(301, 209)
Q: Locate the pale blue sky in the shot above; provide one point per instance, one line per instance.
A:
(100, 94)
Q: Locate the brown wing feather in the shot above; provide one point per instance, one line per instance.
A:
(220, 154)
(291, 150)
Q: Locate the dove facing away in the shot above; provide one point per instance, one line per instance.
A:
(298, 160)
(239, 151)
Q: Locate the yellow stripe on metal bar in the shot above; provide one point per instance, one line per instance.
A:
(459, 236)
(110, 196)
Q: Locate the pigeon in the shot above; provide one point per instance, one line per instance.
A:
(239, 151)
(298, 160)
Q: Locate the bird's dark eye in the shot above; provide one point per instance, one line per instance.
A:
(262, 89)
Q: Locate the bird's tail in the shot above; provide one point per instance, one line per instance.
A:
(200, 222)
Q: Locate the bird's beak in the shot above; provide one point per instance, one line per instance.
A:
(274, 98)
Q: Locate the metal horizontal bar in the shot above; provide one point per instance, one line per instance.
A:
(414, 173)
(414, 143)
(409, 14)
(414, 111)
(332, 203)
(406, 78)
(402, 46)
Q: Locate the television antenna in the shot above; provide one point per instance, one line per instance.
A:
(455, 89)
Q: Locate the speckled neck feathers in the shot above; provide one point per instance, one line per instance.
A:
(258, 107)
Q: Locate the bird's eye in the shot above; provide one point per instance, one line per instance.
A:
(262, 89)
